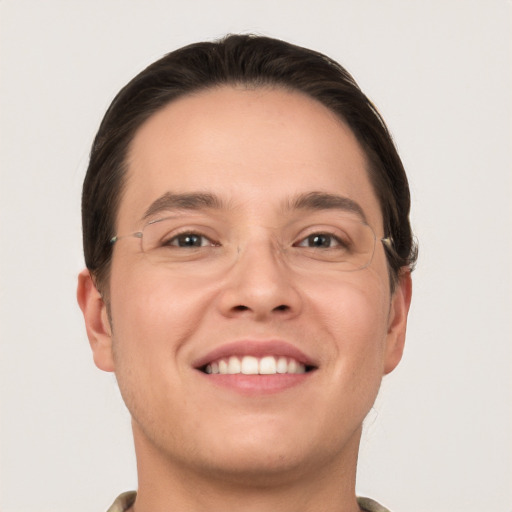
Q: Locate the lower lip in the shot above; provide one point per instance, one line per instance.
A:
(257, 384)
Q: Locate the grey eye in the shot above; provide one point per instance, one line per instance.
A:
(320, 240)
(189, 240)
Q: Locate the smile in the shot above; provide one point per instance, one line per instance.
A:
(251, 365)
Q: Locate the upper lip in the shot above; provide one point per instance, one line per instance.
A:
(255, 348)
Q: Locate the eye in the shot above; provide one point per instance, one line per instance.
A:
(321, 241)
(191, 240)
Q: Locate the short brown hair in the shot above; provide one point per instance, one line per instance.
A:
(239, 60)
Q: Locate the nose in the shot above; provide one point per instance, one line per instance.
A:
(260, 285)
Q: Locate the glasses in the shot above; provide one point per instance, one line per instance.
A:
(347, 243)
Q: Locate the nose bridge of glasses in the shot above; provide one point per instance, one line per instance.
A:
(260, 267)
(261, 247)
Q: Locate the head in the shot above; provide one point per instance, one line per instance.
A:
(259, 154)
(239, 60)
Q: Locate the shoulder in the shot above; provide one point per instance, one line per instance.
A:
(123, 502)
(369, 505)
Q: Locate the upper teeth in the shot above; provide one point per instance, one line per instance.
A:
(250, 365)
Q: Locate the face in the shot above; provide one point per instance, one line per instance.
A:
(258, 186)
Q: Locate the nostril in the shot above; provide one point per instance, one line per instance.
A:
(240, 308)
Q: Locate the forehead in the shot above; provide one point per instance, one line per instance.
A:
(248, 146)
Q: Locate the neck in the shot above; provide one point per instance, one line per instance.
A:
(167, 484)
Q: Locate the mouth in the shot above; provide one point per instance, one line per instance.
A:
(253, 365)
(256, 367)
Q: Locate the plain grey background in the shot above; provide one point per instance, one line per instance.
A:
(440, 435)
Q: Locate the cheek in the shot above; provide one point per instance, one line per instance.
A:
(354, 313)
(154, 311)
(351, 319)
(152, 318)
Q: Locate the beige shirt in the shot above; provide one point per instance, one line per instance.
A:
(127, 499)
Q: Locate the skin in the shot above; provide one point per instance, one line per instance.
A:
(202, 446)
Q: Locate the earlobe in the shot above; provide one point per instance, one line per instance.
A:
(400, 303)
(96, 319)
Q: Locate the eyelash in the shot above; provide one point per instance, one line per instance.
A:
(338, 242)
(175, 238)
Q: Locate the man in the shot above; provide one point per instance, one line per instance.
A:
(248, 256)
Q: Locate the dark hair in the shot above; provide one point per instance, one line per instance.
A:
(239, 60)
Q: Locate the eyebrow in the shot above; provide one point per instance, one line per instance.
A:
(326, 201)
(199, 200)
(191, 201)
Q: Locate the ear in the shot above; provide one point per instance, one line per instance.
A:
(400, 302)
(96, 319)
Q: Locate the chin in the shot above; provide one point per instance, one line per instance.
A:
(263, 456)
(258, 467)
